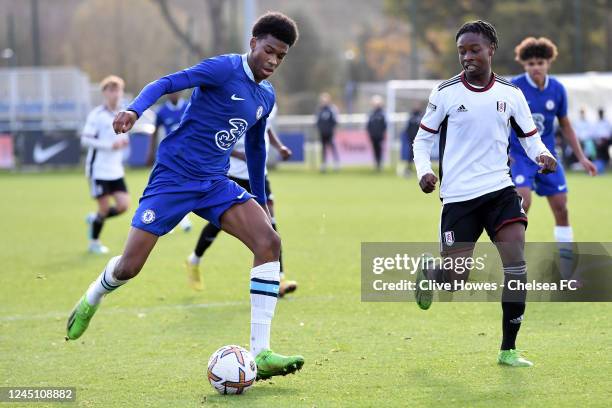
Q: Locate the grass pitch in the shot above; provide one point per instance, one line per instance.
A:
(150, 341)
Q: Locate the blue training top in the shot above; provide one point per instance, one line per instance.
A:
(226, 104)
(545, 105)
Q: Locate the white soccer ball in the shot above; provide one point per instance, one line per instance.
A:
(231, 370)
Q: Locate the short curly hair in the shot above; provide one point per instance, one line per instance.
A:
(278, 25)
(532, 47)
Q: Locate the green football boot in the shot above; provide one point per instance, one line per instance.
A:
(512, 358)
(270, 364)
(423, 297)
(79, 319)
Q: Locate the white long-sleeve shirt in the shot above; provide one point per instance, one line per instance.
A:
(103, 162)
(474, 127)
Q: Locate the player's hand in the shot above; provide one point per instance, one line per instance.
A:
(547, 163)
(124, 121)
(428, 183)
(589, 166)
(285, 152)
(238, 155)
(121, 143)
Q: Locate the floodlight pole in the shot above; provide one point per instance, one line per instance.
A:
(250, 8)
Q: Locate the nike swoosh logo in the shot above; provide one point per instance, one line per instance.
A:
(235, 98)
(241, 195)
(42, 154)
(561, 187)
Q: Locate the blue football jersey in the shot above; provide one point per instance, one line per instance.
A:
(169, 115)
(226, 104)
(545, 105)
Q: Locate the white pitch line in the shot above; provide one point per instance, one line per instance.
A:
(150, 309)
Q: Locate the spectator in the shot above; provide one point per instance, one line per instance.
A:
(327, 119)
(377, 125)
(602, 130)
(412, 127)
(584, 131)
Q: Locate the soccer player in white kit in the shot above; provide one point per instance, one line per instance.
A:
(104, 163)
(473, 113)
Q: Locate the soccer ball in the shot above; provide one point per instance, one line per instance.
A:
(231, 370)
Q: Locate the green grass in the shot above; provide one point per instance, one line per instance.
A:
(149, 343)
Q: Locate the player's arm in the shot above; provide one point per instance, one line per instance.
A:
(424, 140)
(89, 139)
(570, 135)
(255, 149)
(283, 150)
(527, 133)
(238, 155)
(210, 72)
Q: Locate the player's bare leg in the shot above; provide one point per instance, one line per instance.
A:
(510, 242)
(117, 272)
(105, 211)
(286, 286)
(250, 224)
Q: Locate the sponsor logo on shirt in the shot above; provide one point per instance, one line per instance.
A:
(226, 139)
(432, 106)
(259, 112)
(462, 109)
(501, 106)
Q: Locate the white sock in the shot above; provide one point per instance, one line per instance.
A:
(264, 294)
(564, 234)
(565, 238)
(105, 283)
(194, 259)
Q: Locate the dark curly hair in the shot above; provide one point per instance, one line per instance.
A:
(277, 25)
(532, 47)
(480, 27)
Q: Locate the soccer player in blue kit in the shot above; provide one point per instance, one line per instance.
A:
(231, 99)
(169, 117)
(547, 100)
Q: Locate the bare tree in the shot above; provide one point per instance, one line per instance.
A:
(193, 47)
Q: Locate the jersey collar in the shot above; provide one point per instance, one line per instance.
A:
(476, 89)
(533, 84)
(247, 68)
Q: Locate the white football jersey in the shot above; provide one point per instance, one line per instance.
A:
(474, 126)
(102, 163)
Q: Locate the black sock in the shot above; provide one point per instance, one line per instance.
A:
(208, 235)
(513, 305)
(112, 212)
(280, 257)
(96, 226)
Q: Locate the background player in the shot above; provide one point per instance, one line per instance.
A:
(327, 120)
(231, 99)
(471, 111)
(547, 100)
(104, 163)
(239, 173)
(169, 116)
